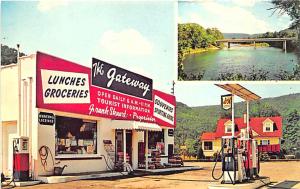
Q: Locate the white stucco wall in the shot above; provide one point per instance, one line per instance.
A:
(9, 93)
(9, 106)
(9, 86)
(46, 136)
(8, 133)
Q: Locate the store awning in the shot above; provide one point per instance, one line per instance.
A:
(134, 125)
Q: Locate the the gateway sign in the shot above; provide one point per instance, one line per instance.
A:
(111, 77)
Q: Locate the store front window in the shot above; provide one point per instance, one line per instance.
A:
(156, 141)
(75, 136)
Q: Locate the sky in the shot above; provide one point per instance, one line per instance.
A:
(203, 94)
(233, 16)
(135, 35)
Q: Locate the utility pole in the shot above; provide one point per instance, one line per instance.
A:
(172, 89)
(19, 90)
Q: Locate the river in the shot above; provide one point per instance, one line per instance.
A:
(242, 60)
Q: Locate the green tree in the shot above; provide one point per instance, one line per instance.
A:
(263, 110)
(291, 8)
(192, 146)
(192, 36)
(291, 131)
(9, 55)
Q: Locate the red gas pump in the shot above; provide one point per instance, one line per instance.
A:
(248, 146)
(21, 159)
(249, 159)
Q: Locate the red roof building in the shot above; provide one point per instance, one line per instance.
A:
(208, 136)
(255, 123)
(266, 130)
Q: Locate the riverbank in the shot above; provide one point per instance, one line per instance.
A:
(199, 50)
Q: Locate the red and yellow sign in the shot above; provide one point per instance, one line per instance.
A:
(65, 86)
(226, 101)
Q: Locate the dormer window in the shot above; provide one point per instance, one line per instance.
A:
(228, 126)
(268, 125)
(228, 129)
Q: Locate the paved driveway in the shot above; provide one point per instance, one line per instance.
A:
(277, 171)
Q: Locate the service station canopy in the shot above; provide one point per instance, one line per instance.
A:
(240, 91)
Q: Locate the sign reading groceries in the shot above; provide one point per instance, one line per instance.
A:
(112, 92)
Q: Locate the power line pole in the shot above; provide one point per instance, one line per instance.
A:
(173, 89)
(19, 91)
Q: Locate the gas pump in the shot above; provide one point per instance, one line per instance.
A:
(229, 159)
(239, 158)
(248, 147)
(239, 153)
(21, 159)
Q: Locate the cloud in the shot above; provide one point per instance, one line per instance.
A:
(125, 42)
(229, 19)
(46, 5)
(179, 20)
(245, 3)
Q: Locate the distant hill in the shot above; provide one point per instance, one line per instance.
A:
(235, 35)
(191, 121)
(245, 35)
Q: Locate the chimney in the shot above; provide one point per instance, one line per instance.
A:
(245, 118)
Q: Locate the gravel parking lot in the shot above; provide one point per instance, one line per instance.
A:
(277, 171)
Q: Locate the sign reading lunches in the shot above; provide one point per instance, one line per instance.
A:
(112, 92)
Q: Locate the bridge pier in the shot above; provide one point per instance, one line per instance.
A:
(284, 46)
(254, 44)
(228, 45)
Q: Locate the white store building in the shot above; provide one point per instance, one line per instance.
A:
(85, 137)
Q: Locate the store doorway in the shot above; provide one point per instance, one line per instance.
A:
(119, 146)
(170, 150)
(141, 155)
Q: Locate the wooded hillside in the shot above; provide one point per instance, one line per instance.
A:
(192, 121)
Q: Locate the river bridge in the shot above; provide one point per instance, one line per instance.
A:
(254, 40)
